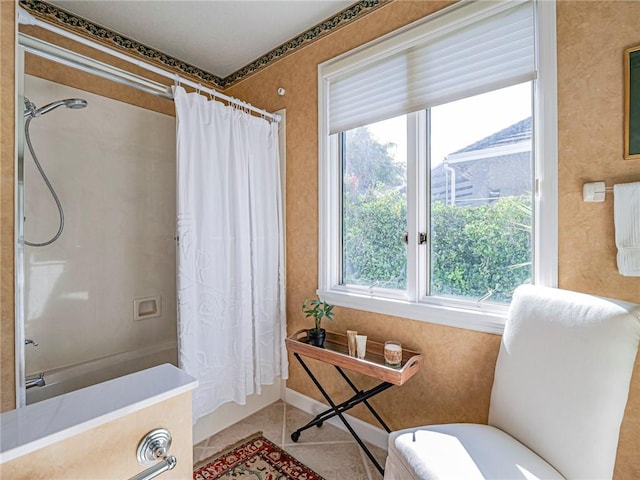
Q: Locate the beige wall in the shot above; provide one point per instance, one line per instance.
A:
(456, 380)
(592, 37)
(109, 451)
(454, 385)
(7, 158)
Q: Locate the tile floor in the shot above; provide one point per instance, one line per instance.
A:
(329, 451)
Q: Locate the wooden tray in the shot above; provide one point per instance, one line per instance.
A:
(336, 352)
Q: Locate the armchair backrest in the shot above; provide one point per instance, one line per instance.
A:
(562, 377)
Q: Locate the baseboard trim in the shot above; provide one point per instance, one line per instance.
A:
(366, 431)
(230, 412)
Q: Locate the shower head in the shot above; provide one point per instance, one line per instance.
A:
(69, 103)
(75, 103)
(31, 110)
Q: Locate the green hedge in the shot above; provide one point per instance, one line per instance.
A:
(372, 241)
(481, 248)
(474, 249)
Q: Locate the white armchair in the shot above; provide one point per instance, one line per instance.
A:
(560, 388)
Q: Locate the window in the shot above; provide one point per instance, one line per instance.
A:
(437, 166)
(374, 205)
(480, 192)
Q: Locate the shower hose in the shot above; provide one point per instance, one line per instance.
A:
(48, 183)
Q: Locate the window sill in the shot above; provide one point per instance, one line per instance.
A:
(477, 319)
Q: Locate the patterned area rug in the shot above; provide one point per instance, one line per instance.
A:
(256, 459)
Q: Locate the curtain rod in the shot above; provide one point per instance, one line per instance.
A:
(71, 59)
(113, 73)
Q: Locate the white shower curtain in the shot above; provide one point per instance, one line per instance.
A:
(231, 323)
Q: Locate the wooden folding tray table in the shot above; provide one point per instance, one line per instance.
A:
(335, 352)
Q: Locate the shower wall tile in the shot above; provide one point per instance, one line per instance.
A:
(113, 167)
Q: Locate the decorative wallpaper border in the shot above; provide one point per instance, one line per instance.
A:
(67, 20)
(339, 20)
(99, 34)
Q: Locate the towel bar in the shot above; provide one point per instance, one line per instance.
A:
(165, 465)
(595, 191)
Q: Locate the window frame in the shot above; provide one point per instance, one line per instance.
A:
(486, 316)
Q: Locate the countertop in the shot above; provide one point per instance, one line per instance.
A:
(35, 426)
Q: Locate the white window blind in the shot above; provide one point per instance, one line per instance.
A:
(466, 50)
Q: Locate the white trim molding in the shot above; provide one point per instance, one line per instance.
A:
(415, 302)
(367, 432)
(488, 318)
(229, 413)
(546, 147)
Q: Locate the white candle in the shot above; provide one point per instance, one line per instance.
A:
(392, 353)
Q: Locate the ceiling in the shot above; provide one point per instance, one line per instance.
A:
(218, 36)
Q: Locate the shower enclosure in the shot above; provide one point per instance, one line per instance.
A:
(95, 251)
(31, 112)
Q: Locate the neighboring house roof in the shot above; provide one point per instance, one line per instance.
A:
(486, 169)
(515, 133)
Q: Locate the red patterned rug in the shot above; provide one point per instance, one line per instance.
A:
(256, 458)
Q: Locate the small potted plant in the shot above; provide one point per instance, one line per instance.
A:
(318, 310)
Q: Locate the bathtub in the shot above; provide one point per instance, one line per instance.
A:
(73, 377)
